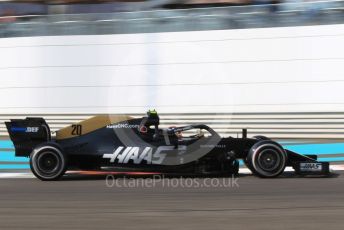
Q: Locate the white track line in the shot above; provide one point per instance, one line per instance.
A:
(16, 175)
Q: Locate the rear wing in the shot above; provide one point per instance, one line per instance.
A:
(27, 133)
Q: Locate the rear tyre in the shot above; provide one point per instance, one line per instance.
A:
(266, 159)
(47, 162)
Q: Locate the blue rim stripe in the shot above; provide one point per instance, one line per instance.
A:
(331, 159)
(6, 144)
(14, 166)
(318, 149)
(10, 157)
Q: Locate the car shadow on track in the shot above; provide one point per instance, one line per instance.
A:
(104, 175)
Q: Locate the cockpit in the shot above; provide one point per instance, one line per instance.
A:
(149, 128)
(150, 124)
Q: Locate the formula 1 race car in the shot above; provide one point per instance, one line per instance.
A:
(117, 142)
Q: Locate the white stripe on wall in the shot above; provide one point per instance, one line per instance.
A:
(274, 125)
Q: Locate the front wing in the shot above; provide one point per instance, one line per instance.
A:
(307, 164)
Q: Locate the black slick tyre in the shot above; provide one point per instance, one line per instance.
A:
(267, 159)
(47, 162)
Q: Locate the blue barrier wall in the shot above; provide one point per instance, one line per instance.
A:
(332, 152)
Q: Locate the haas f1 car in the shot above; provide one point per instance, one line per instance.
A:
(118, 142)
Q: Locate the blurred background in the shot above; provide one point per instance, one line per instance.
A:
(56, 17)
(27, 18)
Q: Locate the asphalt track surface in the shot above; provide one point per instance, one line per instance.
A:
(86, 202)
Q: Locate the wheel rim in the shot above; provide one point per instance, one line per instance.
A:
(264, 167)
(48, 162)
(269, 160)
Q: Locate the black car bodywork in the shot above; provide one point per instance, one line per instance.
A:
(112, 142)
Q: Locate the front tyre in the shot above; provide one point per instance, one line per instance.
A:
(47, 162)
(261, 138)
(267, 159)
